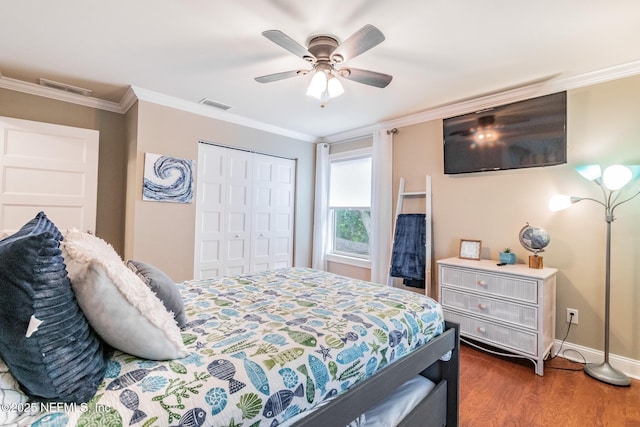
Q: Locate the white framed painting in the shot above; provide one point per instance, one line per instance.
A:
(167, 179)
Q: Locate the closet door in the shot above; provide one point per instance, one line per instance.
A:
(273, 208)
(237, 231)
(50, 168)
(244, 212)
(223, 208)
(211, 193)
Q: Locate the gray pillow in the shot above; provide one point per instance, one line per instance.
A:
(164, 288)
(45, 340)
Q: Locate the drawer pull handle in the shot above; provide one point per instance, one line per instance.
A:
(482, 283)
(481, 329)
(482, 306)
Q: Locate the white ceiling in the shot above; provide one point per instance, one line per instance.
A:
(438, 51)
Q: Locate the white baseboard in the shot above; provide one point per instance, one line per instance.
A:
(576, 353)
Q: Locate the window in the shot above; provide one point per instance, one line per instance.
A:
(350, 205)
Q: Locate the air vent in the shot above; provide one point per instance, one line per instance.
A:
(214, 104)
(65, 87)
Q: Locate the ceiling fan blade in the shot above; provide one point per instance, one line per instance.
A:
(359, 42)
(286, 42)
(280, 76)
(366, 77)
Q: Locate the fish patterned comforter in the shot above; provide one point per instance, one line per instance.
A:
(265, 347)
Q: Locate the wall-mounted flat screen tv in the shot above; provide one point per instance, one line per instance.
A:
(524, 134)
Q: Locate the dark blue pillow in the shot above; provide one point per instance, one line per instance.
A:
(60, 359)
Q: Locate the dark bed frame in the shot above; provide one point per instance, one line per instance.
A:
(439, 408)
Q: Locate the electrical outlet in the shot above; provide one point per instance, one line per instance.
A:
(572, 319)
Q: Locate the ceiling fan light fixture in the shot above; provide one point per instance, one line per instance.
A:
(324, 52)
(486, 136)
(334, 87)
(324, 86)
(318, 85)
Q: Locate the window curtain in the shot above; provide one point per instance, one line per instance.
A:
(381, 205)
(321, 211)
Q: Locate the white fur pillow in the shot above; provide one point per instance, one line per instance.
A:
(116, 302)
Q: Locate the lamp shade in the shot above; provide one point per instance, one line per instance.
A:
(616, 176)
(635, 170)
(318, 85)
(334, 87)
(559, 202)
(590, 172)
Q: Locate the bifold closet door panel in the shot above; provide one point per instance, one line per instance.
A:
(237, 232)
(223, 204)
(273, 207)
(244, 212)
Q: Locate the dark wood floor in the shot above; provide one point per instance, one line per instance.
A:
(496, 391)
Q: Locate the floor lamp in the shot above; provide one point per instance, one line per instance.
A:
(612, 182)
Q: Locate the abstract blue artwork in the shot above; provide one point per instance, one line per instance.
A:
(167, 179)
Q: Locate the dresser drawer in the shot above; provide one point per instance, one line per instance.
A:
(494, 284)
(500, 335)
(485, 306)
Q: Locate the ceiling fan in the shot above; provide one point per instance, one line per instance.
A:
(325, 54)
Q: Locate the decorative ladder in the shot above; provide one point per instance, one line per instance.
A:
(402, 194)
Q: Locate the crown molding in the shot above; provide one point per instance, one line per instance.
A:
(544, 87)
(539, 88)
(203, 110)
(59, 95)
(135, 93)
(128, 100)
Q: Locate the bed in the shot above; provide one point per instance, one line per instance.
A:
(287, 347)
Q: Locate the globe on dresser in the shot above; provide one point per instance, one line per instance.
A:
(534, 239)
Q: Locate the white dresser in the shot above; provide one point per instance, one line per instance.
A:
(511, 307)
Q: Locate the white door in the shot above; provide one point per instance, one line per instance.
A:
(272, 234)
(244, 212)
(223, 204)
(210, 209)
(238, 218)
(285, 213)
(50, 168)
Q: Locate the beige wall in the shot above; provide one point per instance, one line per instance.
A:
(163, 233)
(131, 163)
(349, 270)
(111, 171)
(603, 127)
(345, 147)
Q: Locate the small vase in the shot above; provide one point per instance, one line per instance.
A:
(507, 257)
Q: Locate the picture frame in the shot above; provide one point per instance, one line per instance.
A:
(470, 249)
(167, 179)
